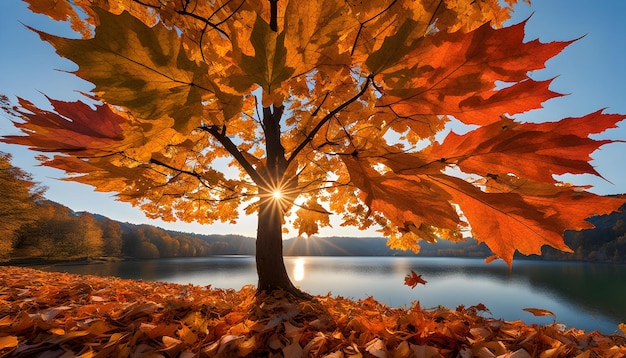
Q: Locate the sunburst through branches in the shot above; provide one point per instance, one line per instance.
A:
(277, 194)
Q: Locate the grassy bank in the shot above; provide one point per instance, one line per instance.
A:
(87, 316)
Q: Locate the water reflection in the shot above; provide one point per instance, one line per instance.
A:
(583, 295)
(298, 269)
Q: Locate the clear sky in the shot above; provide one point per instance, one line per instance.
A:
(592, 71)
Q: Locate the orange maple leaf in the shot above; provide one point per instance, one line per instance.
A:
(457, 74)
(539, 312)
(536, 151)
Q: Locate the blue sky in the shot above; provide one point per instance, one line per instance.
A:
(592, 71)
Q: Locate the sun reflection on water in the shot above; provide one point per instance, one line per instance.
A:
(298, 269)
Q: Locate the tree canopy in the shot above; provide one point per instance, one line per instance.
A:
(323, 107)
(19, 201)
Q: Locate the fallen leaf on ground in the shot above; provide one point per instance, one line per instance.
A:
(138, 318)
(539, 312)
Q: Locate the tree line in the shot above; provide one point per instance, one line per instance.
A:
(18, 204)
(31, 226)
(58, 233)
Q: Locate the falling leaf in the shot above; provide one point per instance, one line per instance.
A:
(414, 279)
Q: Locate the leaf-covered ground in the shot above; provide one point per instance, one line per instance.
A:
(61, 315)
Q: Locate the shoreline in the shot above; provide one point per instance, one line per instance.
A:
(41, 261)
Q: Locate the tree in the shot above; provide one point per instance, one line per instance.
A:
(35, 239)
(59, 233)
(111, 237)
(91, 235)
(19, 202)
(324, 107)
(139, 242)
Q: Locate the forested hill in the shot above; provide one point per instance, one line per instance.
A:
(60, 233)
(376, 246)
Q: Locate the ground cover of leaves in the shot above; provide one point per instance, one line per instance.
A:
(62, 315)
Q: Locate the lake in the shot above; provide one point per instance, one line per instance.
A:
(582, 295)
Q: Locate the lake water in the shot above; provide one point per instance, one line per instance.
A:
(582, 295)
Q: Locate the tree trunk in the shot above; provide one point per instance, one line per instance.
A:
(269, 242)
(269, 249)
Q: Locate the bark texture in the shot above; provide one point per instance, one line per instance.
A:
(269, 251)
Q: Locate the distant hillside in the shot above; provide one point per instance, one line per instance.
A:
(376, 246)
(225, 244)
(339, 246)
(322, 246)
(219, 244)
(605, 243)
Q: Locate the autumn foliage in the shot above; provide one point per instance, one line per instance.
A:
(61, 315)
(343, 106)
(19, 202)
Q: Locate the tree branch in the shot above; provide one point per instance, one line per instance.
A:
(356, 39)
(274, 149)
(220, 135)
(205, 21)
(432, 17)
(274, 15)
(326, 118)
(184, 12)
(181, 171)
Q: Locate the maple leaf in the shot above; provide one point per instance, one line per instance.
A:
(457, 74)
(310, 29)
(528, 222)
(536, 151)
(414, 279)
(310, 216)
(539, 312)
(60, 11)
(55, 130)
(398, 197)
(267, 67)
(144, 69)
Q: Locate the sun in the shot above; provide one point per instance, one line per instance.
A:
(277, 194)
